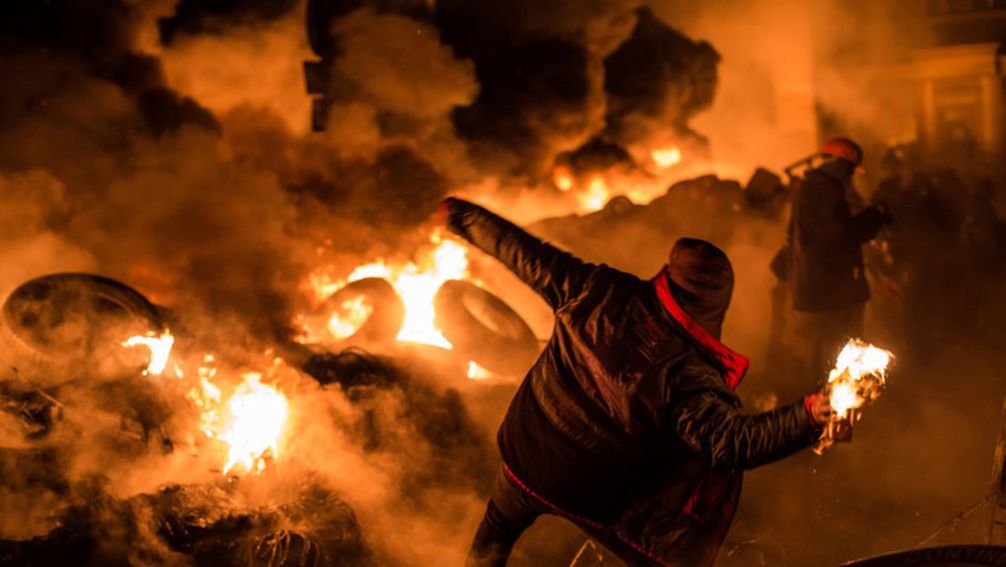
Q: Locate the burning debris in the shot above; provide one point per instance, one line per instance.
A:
(415, 285)
(257, 416)
(428, 302)
(859, 376)
(160, 350)
(227, 422)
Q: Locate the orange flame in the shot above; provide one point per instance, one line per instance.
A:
(355, 313)
(251, 422)
(160, 350)
(416, 282)
(596, 195)
(562, 177)
(256, 418)
(859, 376)
(476, 372)
(666, 157)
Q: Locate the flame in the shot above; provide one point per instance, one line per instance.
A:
(160, 350)
(476, 372)
(257, 416)
(354, 314)
(417, 288)
(416, 282)
(859, 376)
(666, 157)
(562, 177)
(252, 420)
(207, 398)
(595, 196)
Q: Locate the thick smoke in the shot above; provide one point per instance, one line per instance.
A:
(167, 144)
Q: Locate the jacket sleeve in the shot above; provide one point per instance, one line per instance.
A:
(709, 421)
(867, 223)
(556, 275)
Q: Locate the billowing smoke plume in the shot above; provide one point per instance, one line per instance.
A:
(167, 144)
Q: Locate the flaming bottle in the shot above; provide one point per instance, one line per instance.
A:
(859, 376)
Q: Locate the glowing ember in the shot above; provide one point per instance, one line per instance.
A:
(355, 313)
(416, 282)
(562, 177)
(160, 350)
(595, 196)
(476, 372)
(859, 376)
(257, 415)
(666, 157)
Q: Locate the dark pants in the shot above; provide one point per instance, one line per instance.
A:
(509, 513)
(512, 510)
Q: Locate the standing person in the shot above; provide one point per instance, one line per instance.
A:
(825, 263)
(628, 424)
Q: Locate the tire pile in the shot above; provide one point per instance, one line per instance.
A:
(51, 328)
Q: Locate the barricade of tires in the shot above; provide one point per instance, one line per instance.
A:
(52, 324)
(480, 326)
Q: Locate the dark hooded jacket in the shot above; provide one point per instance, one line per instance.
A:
(825, 262)
(628, 424)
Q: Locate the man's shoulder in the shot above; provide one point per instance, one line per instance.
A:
(604, 276)
(815, 179)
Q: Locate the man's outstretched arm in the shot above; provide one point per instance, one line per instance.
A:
(556, 275)
(710, 422)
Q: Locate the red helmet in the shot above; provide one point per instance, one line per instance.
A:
(843, 148)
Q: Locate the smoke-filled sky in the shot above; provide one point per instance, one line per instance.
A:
(167, 145)
(163, 142)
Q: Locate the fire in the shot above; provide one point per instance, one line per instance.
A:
(416, 282)
(160, 350)
(206, 397)
(562, 177)
(859, 376)
(354, 314)
(666, 157)
(476, 372)
(251, 422)
(257, 416)
(595, 196)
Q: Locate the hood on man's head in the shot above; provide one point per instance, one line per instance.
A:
(702, 281)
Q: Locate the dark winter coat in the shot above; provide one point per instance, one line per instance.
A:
(628, 423)
(825, 256)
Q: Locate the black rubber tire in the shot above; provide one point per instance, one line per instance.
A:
(54, 321)
(386, 318)
(484, 328)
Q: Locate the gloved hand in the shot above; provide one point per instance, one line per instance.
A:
(819, 408)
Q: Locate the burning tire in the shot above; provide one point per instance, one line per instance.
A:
(59, 320)
(484, 328)
(367, 310)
